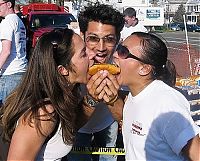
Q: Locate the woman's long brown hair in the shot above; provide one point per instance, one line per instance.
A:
(42, 80)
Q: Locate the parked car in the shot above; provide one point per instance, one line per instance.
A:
(41, 18)
(193, 28)
(175, 27)
(190, 27)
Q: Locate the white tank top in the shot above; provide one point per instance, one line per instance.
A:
(54, 149)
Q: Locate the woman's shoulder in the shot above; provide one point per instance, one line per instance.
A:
(43, 120)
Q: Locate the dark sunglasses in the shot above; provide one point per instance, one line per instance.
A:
(124, 53)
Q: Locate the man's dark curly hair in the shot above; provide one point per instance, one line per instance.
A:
(102, 13)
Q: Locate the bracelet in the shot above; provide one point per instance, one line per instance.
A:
(111, 102)
(89, 101)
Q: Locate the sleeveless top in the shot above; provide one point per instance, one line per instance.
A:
(54, 149)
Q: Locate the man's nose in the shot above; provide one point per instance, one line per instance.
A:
(101, 45)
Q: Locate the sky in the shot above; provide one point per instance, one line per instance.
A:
(20, 1)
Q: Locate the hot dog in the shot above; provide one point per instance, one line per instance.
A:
(111, 68)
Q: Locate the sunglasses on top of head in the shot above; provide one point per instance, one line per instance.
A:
(124, 53)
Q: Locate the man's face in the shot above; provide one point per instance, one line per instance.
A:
(101, 39)
(3, 8)
(129, 21)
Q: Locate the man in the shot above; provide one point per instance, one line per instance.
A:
(100, 26)
(12, 48)
(132, 24)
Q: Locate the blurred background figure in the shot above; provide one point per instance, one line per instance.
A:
(132, 23)
(19, 13)
(13, 60)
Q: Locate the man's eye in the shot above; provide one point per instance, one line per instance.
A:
(110, 39)
(93, 38)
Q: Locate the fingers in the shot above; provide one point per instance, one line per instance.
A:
(114, 81)
(103, 86)
(106, 98)
(101, 95)
(96, 84)
(110, 92)
(111, 88)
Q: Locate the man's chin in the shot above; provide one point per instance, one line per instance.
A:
(127, 26)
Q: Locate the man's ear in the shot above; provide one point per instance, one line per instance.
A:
(145, 69)
(63, 71)
(9, 4)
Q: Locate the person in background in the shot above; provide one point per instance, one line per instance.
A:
(132, 23)
(100, 26)
(13, 60)
(41, 116)
(157, 124)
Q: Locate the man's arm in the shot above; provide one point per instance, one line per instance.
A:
(116, 108)
(83, 114)
(192, 149)
(5, 52)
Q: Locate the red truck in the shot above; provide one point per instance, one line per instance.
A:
(41, 18)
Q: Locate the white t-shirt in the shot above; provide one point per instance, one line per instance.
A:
(54, 149)
(157, 124)
(12, 28)
(127, 31)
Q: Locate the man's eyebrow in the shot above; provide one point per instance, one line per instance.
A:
(103, 36)
(91, 33)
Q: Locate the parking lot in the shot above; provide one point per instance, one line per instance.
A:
(179, 52)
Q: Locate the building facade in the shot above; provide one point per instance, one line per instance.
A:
(192, 8)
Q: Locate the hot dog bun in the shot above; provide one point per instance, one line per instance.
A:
(111, 68)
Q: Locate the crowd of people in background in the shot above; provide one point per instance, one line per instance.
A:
(51, 104)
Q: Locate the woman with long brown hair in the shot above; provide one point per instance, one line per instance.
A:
(40, 117)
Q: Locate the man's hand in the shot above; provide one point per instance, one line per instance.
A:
(96, 84)
(110, 91)
(103, 86)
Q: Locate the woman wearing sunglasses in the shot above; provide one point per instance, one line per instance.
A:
(156, 121)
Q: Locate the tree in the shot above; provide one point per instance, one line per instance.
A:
(178, 17)
(154, 2)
